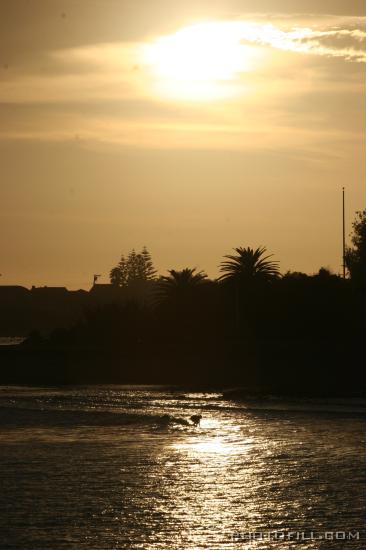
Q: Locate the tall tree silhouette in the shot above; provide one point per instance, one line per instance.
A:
(136, 267)
(356, 256)
(249, 264)
(246, 272)
(148, 270)
(119, 274)
(115, 276)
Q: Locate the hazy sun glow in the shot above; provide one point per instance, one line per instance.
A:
(206, 61)
(199, 62)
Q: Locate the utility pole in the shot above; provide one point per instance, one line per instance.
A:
(344, 233)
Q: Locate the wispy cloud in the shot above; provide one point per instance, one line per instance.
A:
(347, 43)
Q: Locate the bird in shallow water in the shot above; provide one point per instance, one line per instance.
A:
(196, 419)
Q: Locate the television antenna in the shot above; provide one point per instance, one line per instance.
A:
(95, 279)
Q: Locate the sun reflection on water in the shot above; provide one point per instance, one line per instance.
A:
(211, 445)
(214, 438)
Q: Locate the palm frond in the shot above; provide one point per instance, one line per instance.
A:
(250, 264)
(179, 283)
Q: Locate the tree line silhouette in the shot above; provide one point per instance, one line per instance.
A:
(277, 333)
(134, 267)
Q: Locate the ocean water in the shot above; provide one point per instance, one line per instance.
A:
(106, 468)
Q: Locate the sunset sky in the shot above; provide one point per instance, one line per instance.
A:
(191, 127)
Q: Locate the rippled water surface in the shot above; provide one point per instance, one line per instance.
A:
(103, 468)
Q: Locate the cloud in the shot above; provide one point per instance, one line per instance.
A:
(347, 43)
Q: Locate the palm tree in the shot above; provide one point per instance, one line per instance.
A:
(180, 284)
(249, 265)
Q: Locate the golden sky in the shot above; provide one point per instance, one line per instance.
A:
(189, 127)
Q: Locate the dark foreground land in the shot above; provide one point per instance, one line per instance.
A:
(273, 367)
(296, 335)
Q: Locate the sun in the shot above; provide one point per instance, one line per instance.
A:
(199, 62)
